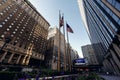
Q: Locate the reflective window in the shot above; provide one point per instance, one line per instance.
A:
(115, 17)
(113, 26)
(110, 1)
(119, 22)
(117, 6)
(113, 2)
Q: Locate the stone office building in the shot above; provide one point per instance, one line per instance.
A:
(51, 58)
(25, 32)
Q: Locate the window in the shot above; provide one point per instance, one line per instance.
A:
(5, 32)
(10, 26)
(17, 26)
(3, 22)
(110, 1)
(1, 26)
(4, 11)
(8, 29)
(115, 17)
(1, 13)
(12, 35)
(119, 22)
(9, 7)
(14, 43)
(21, 32)
(14, 32)
(117, 6)
(2, 36)
(6, 20)
(4, 0)
(8, 17)
(12, 23)
(16, 19)
(15, 29)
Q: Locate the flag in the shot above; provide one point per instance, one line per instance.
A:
(69, 29)
(61, 20)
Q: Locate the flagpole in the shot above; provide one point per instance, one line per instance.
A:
(68, 50)
(64, 46)
(59, 45)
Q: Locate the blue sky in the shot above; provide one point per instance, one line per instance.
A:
(49, 9)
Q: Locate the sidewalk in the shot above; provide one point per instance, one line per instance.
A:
(110, 77)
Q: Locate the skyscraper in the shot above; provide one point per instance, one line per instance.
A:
(89, 54)
(52, 49)
(102, 21)
(25, 31)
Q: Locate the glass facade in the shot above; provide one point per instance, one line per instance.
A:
(103, 23)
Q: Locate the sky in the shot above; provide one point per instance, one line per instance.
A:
(49, 9)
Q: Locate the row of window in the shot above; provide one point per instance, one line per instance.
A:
(115, 4)
(35, 15)
(7, 9)
(102, 33)
(116, 18)
(3, 2)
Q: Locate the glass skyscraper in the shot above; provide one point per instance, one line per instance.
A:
(102, 21)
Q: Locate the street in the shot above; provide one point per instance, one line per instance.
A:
(110, 77)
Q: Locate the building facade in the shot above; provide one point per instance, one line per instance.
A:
(89, 54)
(102, 21)
(52, 50)
(23, 33)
